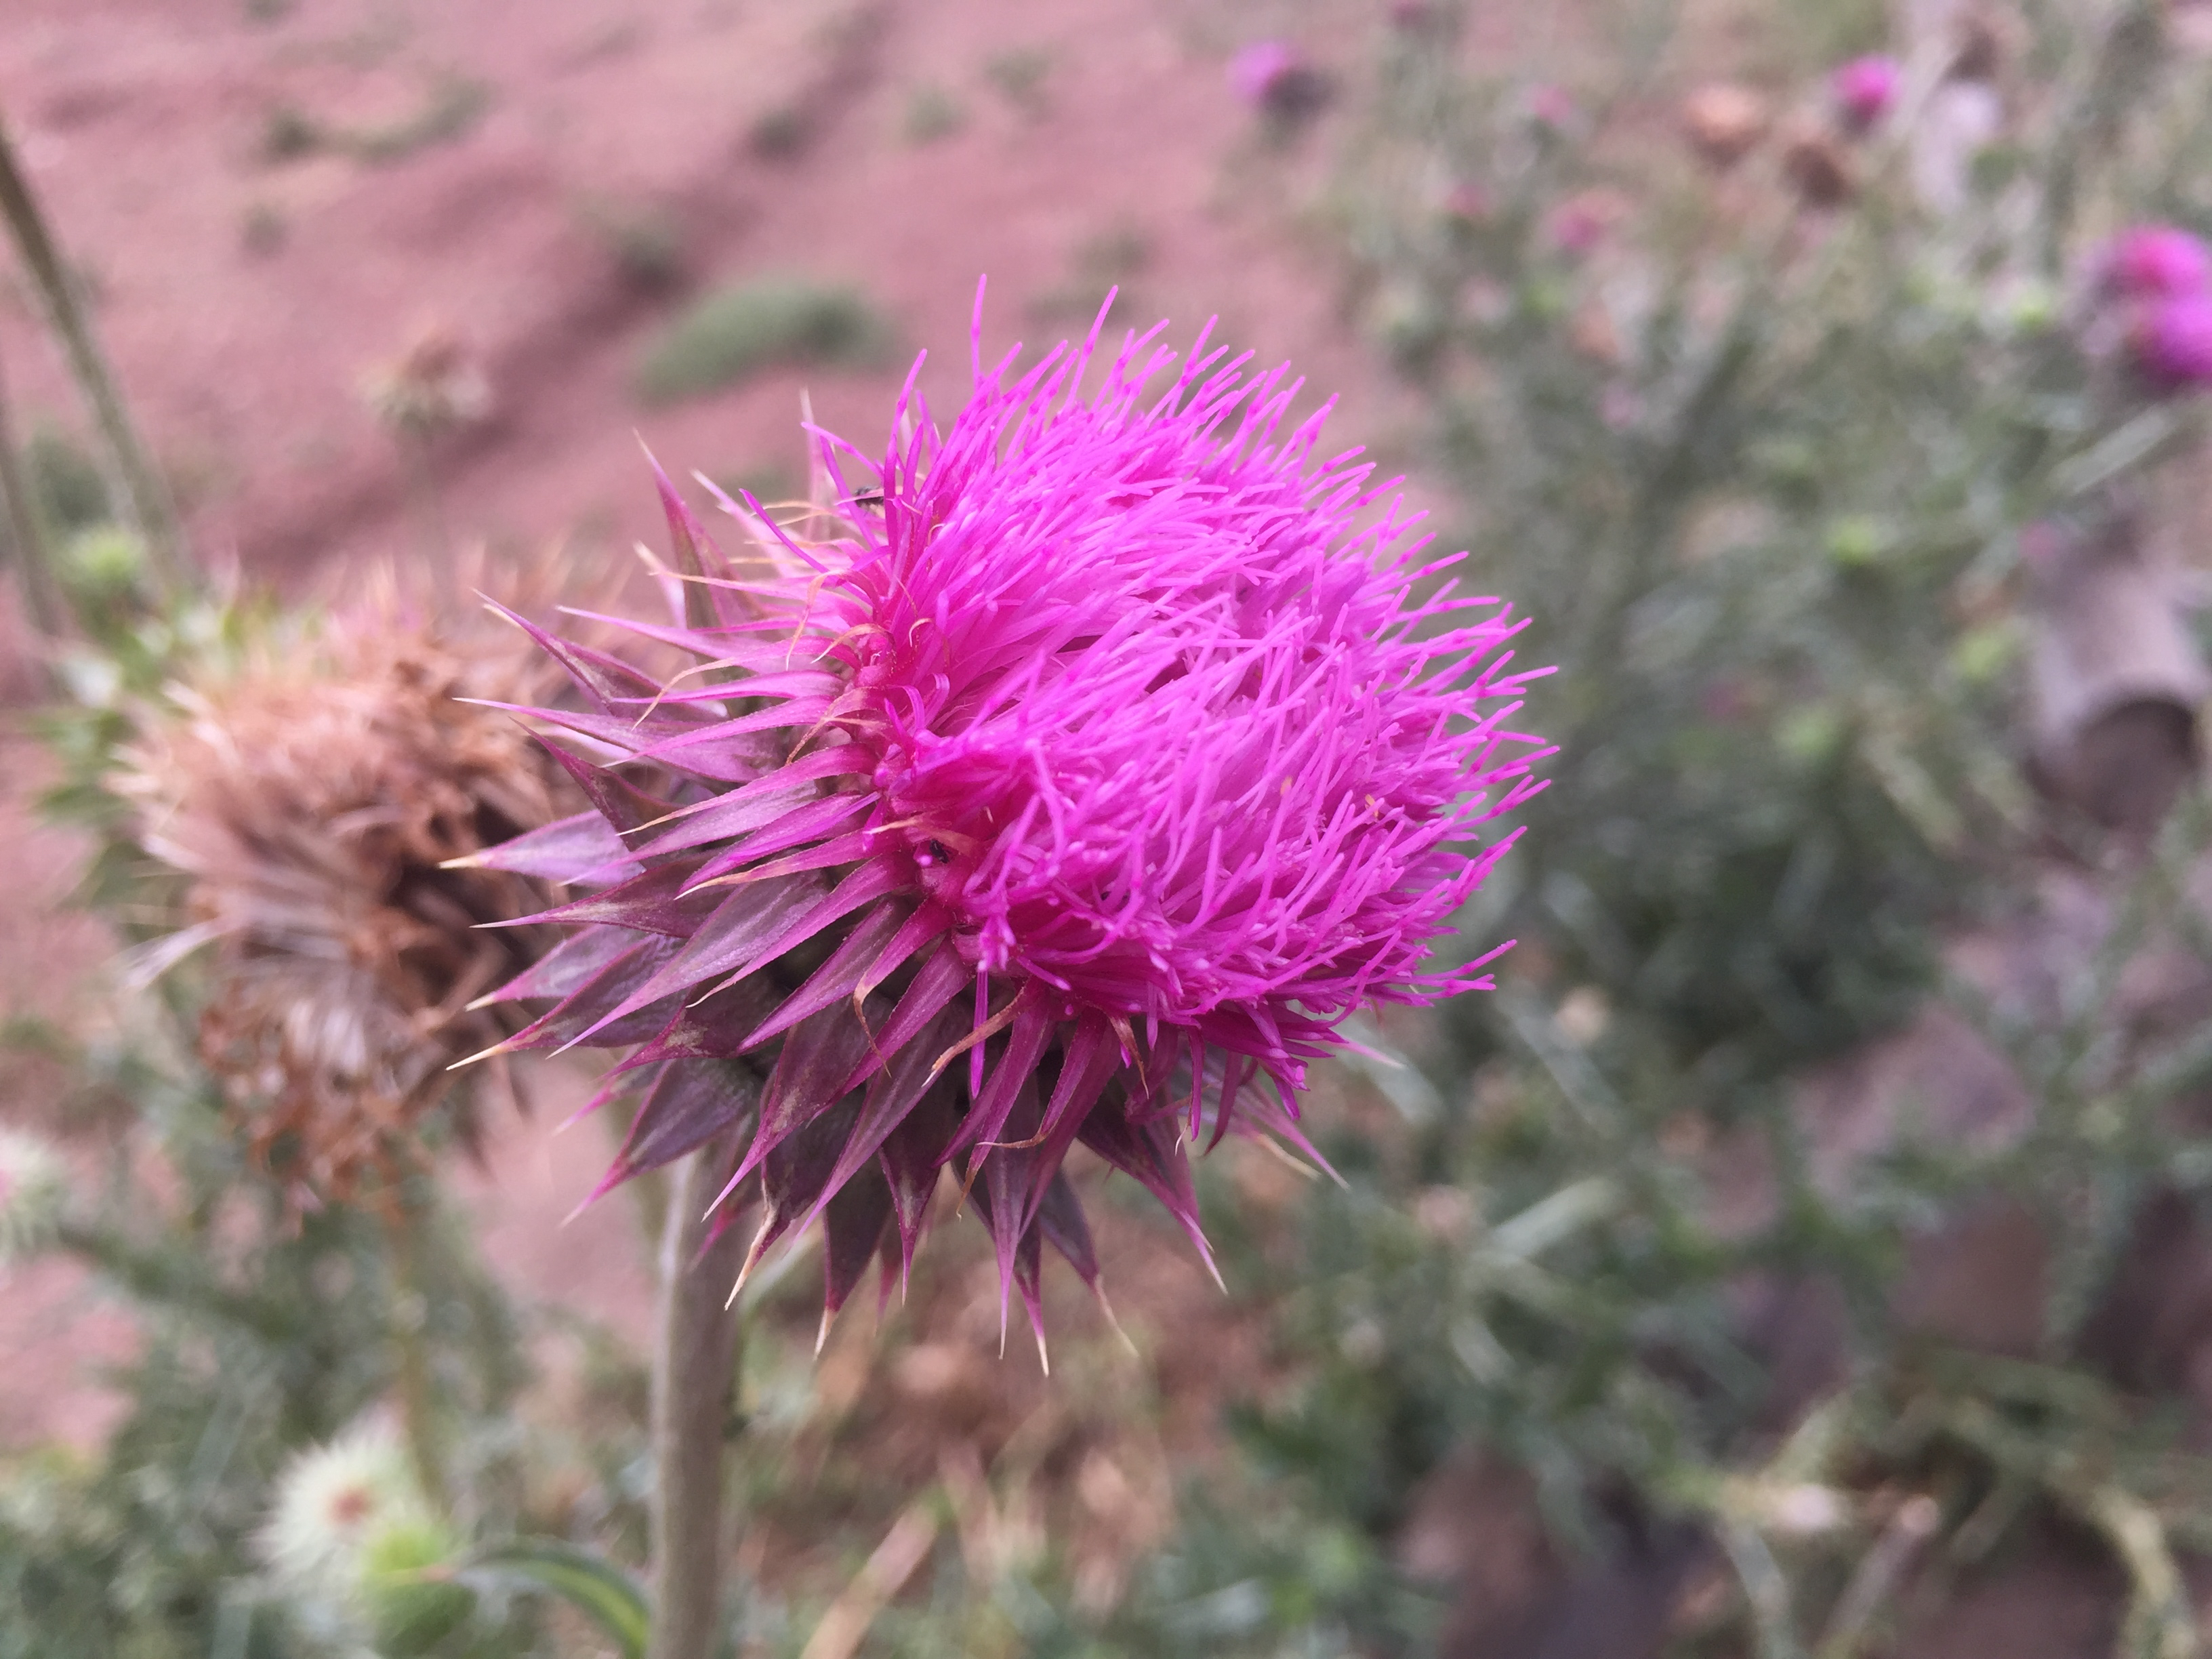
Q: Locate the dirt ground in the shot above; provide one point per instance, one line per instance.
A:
(246, 291)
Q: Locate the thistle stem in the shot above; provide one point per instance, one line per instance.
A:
(27, 538)
(694, 1357)
(142, 499)
(418, 1405)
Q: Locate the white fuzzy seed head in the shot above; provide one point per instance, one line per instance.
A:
(333, 1503)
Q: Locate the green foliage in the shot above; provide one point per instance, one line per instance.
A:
(646, 241)
(589, 1583)
(263, 1331)
(1020, 74)
(932, 113)
(65, 482)
(1757, 477)
(737, 331)
(414, 1603)
(780, 134)
(450, 108)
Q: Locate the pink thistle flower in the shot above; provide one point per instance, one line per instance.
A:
(2155, 262)
(2172, 342)
(1865, 90)
(1075, 786)
(1469, 204)
(1579, 226)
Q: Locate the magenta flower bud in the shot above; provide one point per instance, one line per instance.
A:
(2155, 262)
(1865, 90)
(2172, 342)
(1101, 757)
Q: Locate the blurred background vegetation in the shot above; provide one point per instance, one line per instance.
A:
(1801, 1254)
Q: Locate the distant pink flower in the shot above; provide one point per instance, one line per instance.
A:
(1552, 107)
(2172, 342)
(1277, 79)
(1578, 225)
(2155, 262)
(1470, 203)
(1076, 785)
(1865, 90)
(1726, 703)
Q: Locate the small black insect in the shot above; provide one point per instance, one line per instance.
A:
(869, 498)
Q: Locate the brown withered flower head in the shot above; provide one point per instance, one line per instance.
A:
(1817, 168)
(1724, 122)
(311, 802)
(436, 384)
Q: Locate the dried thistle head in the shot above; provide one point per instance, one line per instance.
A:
(1724, 122)
(435, 385)
(1816, 167)
(1984, 42)
(311, 802)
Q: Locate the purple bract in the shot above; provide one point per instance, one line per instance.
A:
(1069, 777)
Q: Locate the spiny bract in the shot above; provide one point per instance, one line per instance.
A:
(1103, 756)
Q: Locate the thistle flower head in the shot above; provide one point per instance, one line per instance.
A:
(309, 802)
(1865, 90)
(333, 1503)
(2171, 341)
(2155, 262)
(1092, 762)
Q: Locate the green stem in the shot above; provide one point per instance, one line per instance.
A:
(26, 538)
(143, 499)
(164, 1278)
(694, 1357)
(418, 1404)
